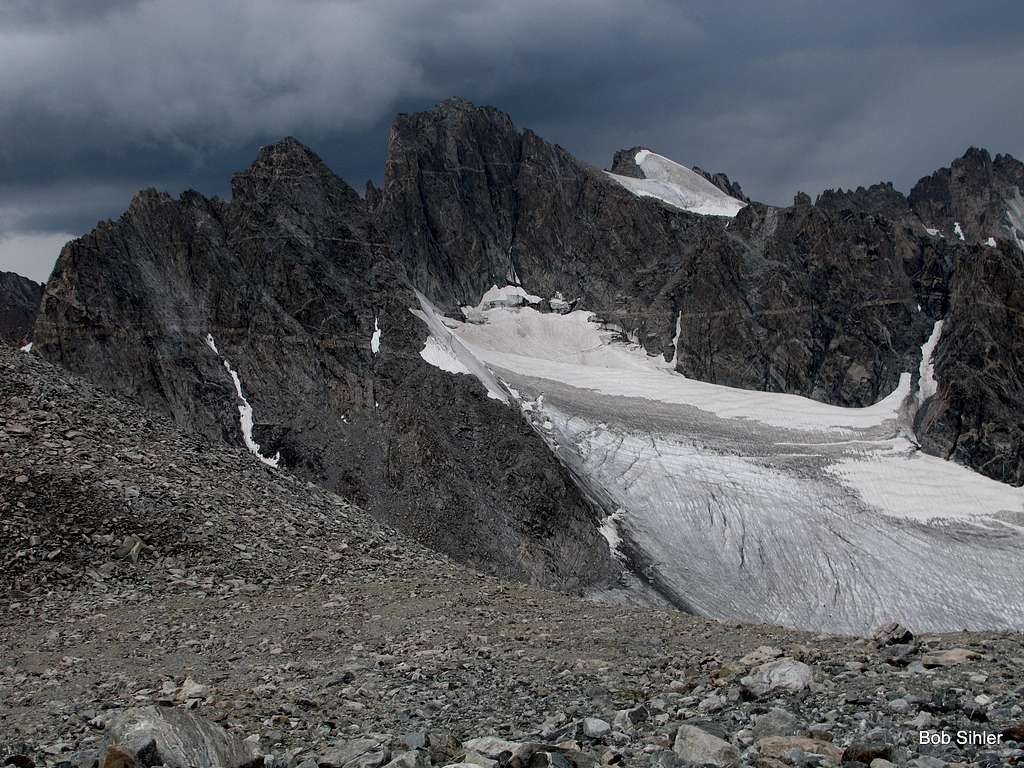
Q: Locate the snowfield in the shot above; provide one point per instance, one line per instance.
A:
(678, 186)
(750, 505)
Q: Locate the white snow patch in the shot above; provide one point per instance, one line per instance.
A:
(991, 242)
(375, 339)
(675, 339)
(956, 228)
(678, 186)
(245, 421)
(931, 231)
(927, 385)
(610, 530)
(907, 483)
(440, 355)
(27, 347)
(211, 343)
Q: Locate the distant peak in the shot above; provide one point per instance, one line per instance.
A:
(287, 151)
(456, 102)
(977, 154)
(287, 160)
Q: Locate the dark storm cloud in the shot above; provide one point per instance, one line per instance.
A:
(98, 99)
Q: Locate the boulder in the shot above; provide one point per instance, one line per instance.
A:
(866, 753)
(596, 728)
(700, 747)
(357, 753)
(949, 658)
(892, 633)
(775, 722)
(177, 739)
(414, 758)
(779, 746)
(783, 674)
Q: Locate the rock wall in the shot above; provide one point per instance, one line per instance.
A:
(19, 300)
(290, 280)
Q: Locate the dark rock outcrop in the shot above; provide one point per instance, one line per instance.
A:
(724, 183)
(19, 300)
(624, 163)
(981, 194)
(290, 280)
(804, 301)
(974, 418)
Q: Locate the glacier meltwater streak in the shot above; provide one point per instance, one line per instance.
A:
(751, 505)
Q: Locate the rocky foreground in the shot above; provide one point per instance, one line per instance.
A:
(171, 600)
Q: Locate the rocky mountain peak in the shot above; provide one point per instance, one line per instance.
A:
(289, 171)
(974, 199)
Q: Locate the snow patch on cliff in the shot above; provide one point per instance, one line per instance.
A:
(246, 422)
(375, 338)
(26, 348)
(245, 418)
(927, 385)
(678, 186)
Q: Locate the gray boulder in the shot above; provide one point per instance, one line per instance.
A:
(784, 674)
(700, 747)
(357, 753)
(177, 738)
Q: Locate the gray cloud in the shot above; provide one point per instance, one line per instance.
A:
(99, 99)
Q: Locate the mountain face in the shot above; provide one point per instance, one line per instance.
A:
(266, 310)
(975, 199)
(19, 299)
(281, 320)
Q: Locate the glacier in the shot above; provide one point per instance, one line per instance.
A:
(748, 505)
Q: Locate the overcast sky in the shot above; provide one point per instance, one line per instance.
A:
(101, 98)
